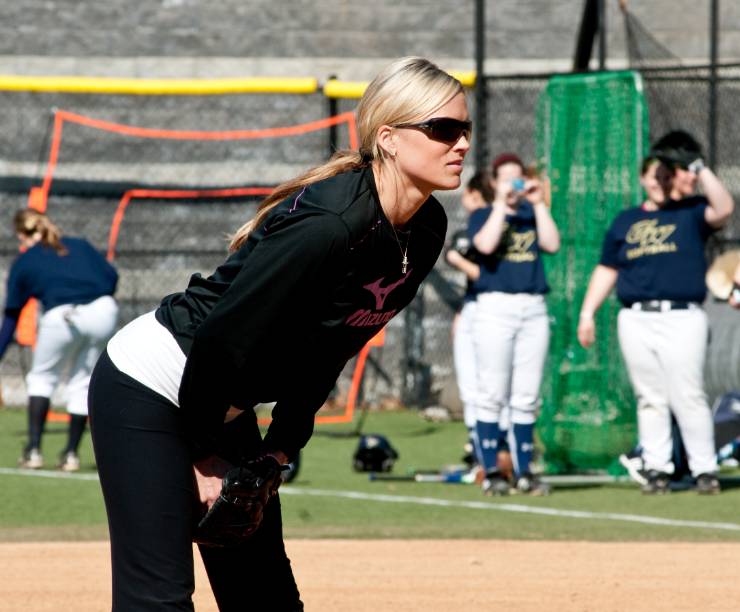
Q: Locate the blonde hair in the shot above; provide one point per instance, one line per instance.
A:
(29, 222)
(407, 90)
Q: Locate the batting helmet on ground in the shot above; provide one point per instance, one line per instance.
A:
(374, 454)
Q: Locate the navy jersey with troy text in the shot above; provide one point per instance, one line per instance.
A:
(659, 254)
(278, 320)
(515, 266)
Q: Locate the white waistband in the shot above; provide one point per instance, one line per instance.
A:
(147, 351)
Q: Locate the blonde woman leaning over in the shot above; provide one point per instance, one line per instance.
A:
(329, 259)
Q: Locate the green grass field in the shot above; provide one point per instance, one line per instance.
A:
(328, 499)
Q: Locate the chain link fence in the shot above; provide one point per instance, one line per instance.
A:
(163, 241)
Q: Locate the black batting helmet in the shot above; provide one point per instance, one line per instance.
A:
(374, 454)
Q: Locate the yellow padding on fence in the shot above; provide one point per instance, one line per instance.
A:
(68, 84)
(345, 89)
(355, 89)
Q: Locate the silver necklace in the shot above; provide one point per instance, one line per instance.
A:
(404, 252)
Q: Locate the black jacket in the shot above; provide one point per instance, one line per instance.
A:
(278, 320)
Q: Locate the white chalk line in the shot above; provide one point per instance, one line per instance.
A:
(47, 474)
(431, 501)
(445, 503)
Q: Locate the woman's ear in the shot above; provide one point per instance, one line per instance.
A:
(386, 140)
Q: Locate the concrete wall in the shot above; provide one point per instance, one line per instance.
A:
(350, 38)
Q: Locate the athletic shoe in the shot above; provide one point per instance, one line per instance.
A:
(658, 483)
(495, 484)
(532, 485)
(31, 459)
(632, 462)
(69, 462)
(707, 484)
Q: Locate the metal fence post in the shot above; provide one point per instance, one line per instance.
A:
(602, 35)
(481, 92)
(416, 383)
(713, 60)
(332, 109)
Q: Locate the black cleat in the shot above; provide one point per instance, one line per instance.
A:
(495, 484)
(658, 483)
(531, 485)
(707, 484)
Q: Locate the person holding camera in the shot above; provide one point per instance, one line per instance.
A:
(654, 255)
(511, 326)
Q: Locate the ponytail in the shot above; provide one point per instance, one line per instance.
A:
(341, 161)
(29, 222)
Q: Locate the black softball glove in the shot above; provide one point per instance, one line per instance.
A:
(237, 513)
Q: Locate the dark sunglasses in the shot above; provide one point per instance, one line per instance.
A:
(442, 129)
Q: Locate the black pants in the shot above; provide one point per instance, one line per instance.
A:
(149, 489)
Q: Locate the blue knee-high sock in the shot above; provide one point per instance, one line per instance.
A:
(524, 445)
(488, 435)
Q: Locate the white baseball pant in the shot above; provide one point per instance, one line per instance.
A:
(463, 350)
(511, 335)
(70, 339)
(664, 353)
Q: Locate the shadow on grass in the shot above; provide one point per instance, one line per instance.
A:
(729, 482)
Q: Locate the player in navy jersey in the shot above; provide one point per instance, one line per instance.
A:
(329, 259)
(75, 285)
(511, 327)
(654, 255)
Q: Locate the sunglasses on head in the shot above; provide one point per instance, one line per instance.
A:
(442, 129)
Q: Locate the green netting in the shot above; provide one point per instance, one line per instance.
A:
(591, 136)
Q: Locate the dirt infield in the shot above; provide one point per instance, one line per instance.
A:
(429, 575)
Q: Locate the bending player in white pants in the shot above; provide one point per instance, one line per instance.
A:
(654, 255)
(70, 340)
(74, 284)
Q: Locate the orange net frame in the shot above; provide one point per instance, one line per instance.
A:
(39, 198)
